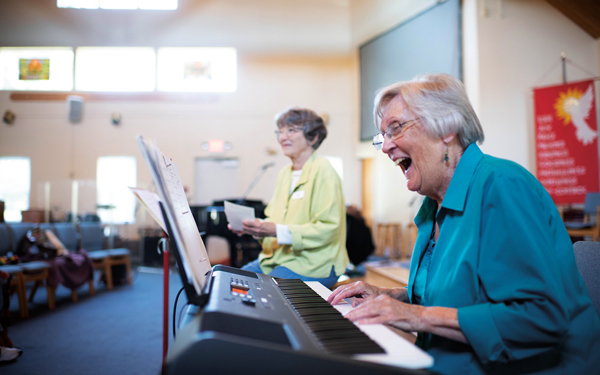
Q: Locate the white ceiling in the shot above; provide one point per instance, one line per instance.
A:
(314, 27)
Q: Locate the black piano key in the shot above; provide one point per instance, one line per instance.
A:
(328, 325)
(305, 311)
(293, 301)
(317, 318)
(301, 294)
(301, 307)
(305, 305)
(339, 334)
(346, 346)
(345, 342)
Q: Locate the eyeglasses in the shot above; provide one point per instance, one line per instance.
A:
(289, 131)
(396, 130)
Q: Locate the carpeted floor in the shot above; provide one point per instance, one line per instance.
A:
(113, 332)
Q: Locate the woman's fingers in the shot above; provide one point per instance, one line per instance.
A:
(238, 232)
(366, 313)
(259, 228)
(357, 289)
(384, 309)
(339, 294)
(250, 227)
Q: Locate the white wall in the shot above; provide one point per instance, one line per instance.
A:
(518, 45)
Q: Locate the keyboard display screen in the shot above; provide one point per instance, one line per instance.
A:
(239, 290)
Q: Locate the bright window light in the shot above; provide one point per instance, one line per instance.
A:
(115, 69)
(337, 163)
(80, 4)
(39, 69)
(15, 185)
(118, 4)
(196, 69)
(158, 4)
(114, 174)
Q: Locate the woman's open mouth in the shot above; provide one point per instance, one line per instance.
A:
(404, 163)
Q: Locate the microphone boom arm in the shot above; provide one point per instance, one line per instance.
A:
(259, 175)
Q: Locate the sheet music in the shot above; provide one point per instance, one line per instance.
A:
(185, 232)
(150, 201)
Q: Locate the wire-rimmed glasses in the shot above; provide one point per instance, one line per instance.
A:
(394, 131)
(288, 131)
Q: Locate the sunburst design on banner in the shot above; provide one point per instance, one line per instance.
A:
(574, 107)
(564, 103)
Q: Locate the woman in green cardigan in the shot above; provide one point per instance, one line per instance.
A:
(304, 233)
(493, 285)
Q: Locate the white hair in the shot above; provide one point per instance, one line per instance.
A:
(440, 101)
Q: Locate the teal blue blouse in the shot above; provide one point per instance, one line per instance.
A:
(503, 258)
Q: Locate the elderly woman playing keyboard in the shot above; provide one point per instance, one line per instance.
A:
(493, 284)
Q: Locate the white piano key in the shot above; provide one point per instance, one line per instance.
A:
(399, 351)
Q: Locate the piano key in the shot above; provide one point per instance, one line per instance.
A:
(341, 338)
(317, 318)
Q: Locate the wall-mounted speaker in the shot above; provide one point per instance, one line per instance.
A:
(9, 117)
(75, 107)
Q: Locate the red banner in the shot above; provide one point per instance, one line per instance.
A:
(566, 135)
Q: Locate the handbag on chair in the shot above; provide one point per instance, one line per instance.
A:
(37, 246)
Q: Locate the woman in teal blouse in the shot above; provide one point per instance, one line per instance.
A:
(493, 284)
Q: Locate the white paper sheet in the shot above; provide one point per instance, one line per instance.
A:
(236, 213)
(150, 201)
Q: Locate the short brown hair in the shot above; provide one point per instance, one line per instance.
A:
(312, 124)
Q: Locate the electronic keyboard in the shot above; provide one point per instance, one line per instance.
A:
(255, 323)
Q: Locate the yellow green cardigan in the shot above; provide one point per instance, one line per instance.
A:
(315, 214)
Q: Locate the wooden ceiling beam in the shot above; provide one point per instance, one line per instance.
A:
(585, 13)
(112, 96)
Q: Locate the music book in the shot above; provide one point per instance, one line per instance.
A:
(151, 202)
(179, 221)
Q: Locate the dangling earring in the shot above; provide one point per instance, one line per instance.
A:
(446, 155)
